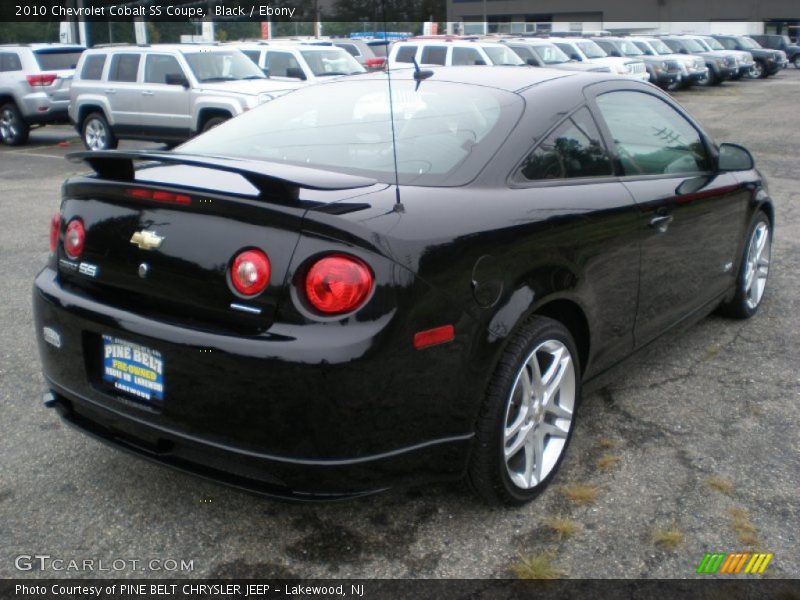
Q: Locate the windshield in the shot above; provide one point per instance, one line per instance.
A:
(57, 60)
(551, 54)
(713, 44)
(325, 63)
(749, 43)
(702, 43)
(445, 132)
(629, 48)
(591, 50)
(500, 55)
(222, 66)
(660, 47)
(692, 45)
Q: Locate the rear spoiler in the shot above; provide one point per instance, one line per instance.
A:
(267, 177)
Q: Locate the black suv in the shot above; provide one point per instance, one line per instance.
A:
(768, 62)
(775, 41)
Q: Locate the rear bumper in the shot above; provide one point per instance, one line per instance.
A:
(39, 108)
(287, 415)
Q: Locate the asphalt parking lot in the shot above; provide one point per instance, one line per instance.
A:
(693, 447)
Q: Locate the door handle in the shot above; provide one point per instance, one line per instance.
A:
(110, 91)
(148, 93)
(661, 223)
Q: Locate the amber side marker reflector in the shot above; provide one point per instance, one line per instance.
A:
(159, 196)
(433, 337)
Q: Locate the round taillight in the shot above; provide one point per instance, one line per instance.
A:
(338, 284)
(74, 239)
(250, 272)
(55, 226)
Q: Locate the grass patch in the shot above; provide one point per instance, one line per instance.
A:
(608, 461)
(581, 494)
(668, 538)
(538, 566)
(743, 526)
(562, 527)
(607, 443)
(720, 484)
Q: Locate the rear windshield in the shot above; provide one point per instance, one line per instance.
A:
(445, 132)
(379, 48)
(57, 60)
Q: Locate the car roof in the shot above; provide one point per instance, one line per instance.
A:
(42, 46)
(284, 47)
(183, 48)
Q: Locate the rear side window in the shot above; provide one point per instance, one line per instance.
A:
(467, 56)
(650, 136)
(124, 67)
(351, 49)
(253, 55)
(9, 61)
(158, 66)
(406, 54)
(59, 60)
(93, 67)
(434, 55)
(574, 149)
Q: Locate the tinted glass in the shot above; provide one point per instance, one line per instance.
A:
(434, 55)
(406, 54)
(574, 149)
(445, 132)
(351, 49)
(57, 60)
(253, 55)
(650, 136)
(524, 52)
(222, 66)
(467, 56)
(124, 67)
(326, 63)
(93, 67)
(158, 66)
(9, 62)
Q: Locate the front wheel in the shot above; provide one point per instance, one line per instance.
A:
(758, 71)
(528, 415)
(213, 122)
(754, 271)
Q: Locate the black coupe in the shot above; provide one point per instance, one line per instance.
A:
(316, 300)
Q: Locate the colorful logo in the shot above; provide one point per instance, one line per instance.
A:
(734, 563)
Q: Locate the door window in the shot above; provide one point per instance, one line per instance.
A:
(93, 67)
(158, 66)
(283, 64)
(574, 149)
(434, 55)
(124, 67)
(651, 137)
(467, 56)
(406, 54)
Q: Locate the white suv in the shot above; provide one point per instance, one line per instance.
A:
(164, 92)
(586, 51)
(450, 52)
(307, 63)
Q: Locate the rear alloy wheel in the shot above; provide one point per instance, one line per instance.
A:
(754, 271)
(97, 134)
(13, 128)
(528, 415)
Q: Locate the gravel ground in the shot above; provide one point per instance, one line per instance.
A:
(694, 442)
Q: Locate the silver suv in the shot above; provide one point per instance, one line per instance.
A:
(299, 62)
(34, 87)
(166, 93)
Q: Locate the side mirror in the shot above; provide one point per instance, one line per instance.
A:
(176, 79)
(480, 62)
(296, 73)
(575, 56)
(683, 51)
(733, 157)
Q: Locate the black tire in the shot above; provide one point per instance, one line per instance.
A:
(487, 473)
(14, 131)
(213, 122)
(796, 61)
(740, 306)
(97, 134)
(760, 70)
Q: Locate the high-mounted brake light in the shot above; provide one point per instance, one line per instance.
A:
(74, 239)
(41, 79)
(55, 226)
(250, 272)
(159, 196)
(338, 284)
(374, 62)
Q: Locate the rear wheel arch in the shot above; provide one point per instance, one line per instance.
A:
(570, 314)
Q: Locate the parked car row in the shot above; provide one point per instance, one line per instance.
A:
(171, 92)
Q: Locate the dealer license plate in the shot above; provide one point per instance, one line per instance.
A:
(133, 369)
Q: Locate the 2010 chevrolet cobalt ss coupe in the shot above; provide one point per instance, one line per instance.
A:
(316, 300)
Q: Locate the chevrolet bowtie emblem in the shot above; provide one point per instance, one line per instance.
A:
(147, 240)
